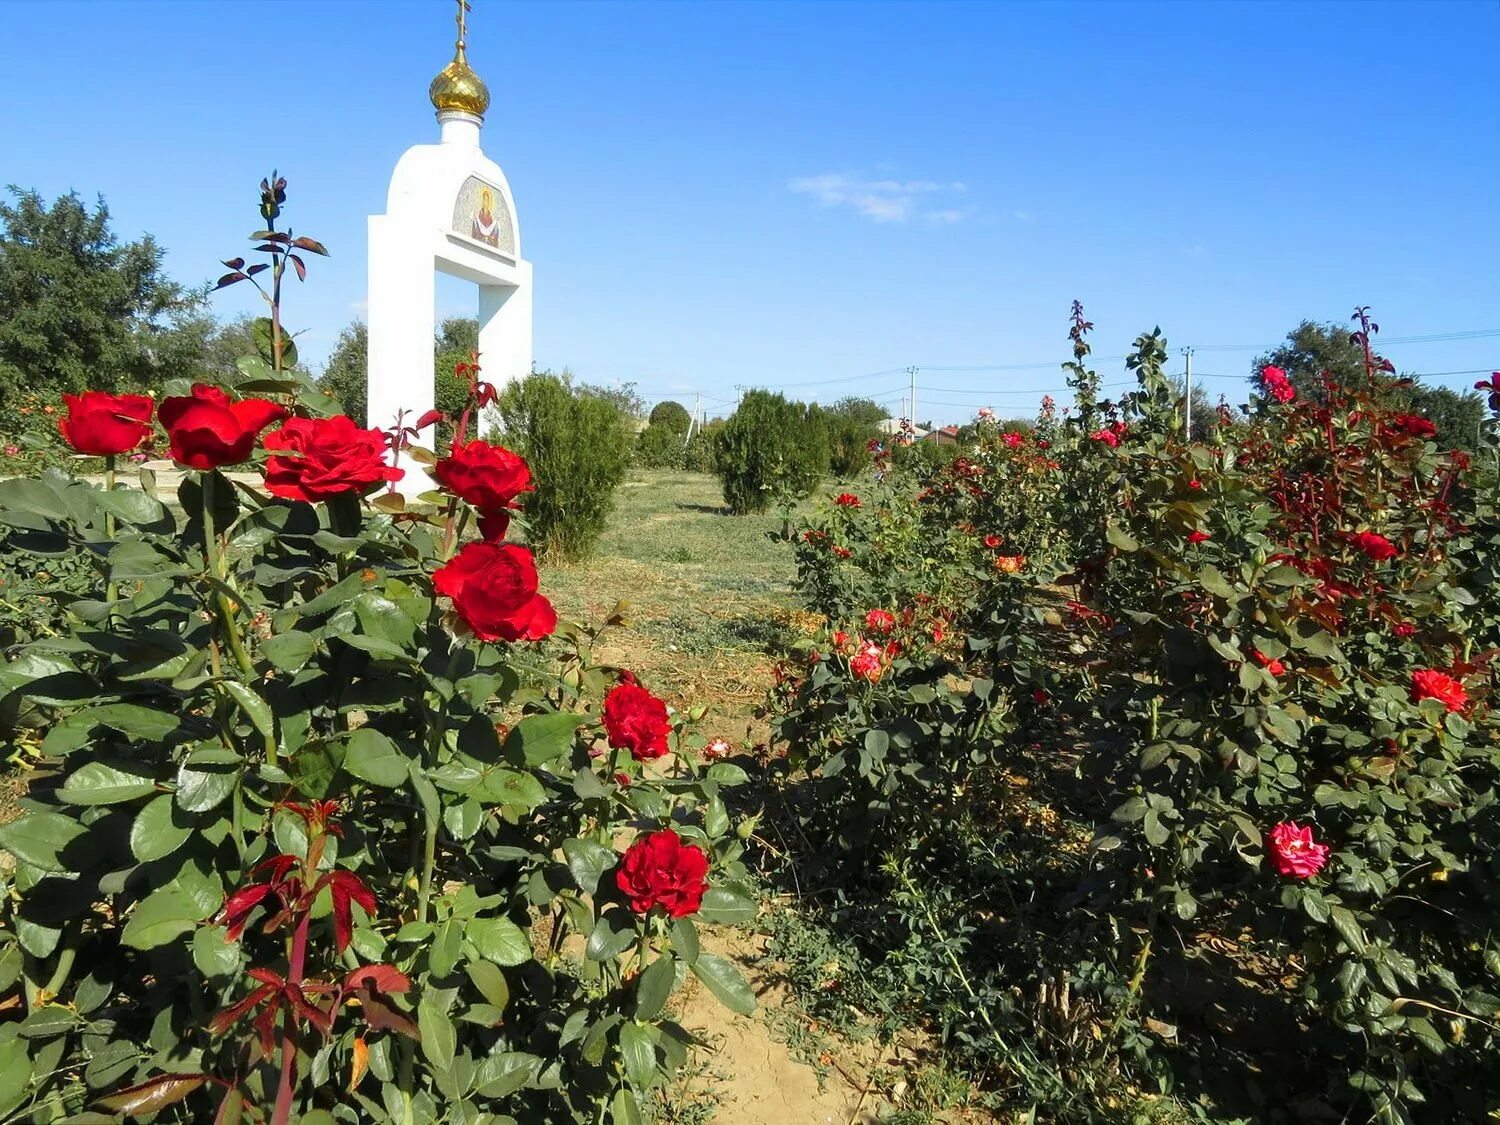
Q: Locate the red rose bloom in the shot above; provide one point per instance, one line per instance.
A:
(488, 476)
(880, 620)
(1293, 851)
(1199, 537)
(1413, 425)
(660, 870)
(1108, 437)
(493, 526)
(330, 456)
(636, 720)
(1404, 629)
(103, 424)
(847, 500)
(207, 430)
(1014, 439)
(1277, 385)
(1429, 683)
(869, 662)
(992, 541)
(1377, 547)
(1275, 667)
(493, 587)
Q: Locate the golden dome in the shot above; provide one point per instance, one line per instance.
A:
(458, 87)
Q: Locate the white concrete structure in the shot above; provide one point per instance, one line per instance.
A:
(449, 209)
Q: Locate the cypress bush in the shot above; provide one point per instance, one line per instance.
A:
(660, 447)
(770, 449)
(578, 447)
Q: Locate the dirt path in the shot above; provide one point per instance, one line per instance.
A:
(753, 1075)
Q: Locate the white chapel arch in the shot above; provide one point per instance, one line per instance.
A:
(449, 209)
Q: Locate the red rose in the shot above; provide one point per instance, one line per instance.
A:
(1275, 667)
(493, 587)
(1429, 683)
(1014, 439)
(1199, 537)
(1413, 425)
(636, 720)
(331, 456)
(880, 620)
(493, 526)
(1277, 385)
(869, 662)
(1377, 547)
(103, 424)
(488, 476)
(1404, 629)
(717, 750)
(660, 870)
(1293, 851)
(207, 430)
(847, 500)
(1108, 437)
(992, 541)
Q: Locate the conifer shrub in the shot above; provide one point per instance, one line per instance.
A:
(770, 450)
(579, 450)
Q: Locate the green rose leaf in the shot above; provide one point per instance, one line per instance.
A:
(99, 783)
(654, 986)
(38, 837)
(158, 831)
(439, 1039)
(499, 940)
(371, 756)
(721, 978)
(539, 739)
(159, 918)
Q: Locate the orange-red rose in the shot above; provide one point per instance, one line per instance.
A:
(660, 870)
(1377, 547)
(636, 720)
(207, 430)
(1429, 683)
(103, 425)
(494, 591)
(327, 456)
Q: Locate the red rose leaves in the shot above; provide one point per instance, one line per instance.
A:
(660, 870)
(494, 591)
(325, 457)
(103, 424)
(207, 430)
(636, 720)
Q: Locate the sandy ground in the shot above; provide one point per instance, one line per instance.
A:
(753, 1075)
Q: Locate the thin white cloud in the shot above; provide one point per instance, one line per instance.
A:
(882, 201)
(1022, 216)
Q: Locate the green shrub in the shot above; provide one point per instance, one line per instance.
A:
(578, 450)
(703, 447)
(771, 449)
(660, 447)
(671, 415)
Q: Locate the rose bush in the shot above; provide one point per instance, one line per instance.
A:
(307, 837)
(1249, 681)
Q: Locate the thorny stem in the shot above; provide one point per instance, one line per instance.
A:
(218, 571)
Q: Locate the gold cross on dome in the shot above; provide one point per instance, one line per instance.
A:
(464, 7)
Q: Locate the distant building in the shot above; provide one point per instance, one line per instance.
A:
(943, 435)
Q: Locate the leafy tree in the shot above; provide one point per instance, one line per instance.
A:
(672, 415)
(1205, 415)
(1312, 349)
(626, 399)
(79, 309)
(226, 342)
(852, 422)
(660, 447)
(344, 376)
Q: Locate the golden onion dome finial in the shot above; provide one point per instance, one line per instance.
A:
(457, 87)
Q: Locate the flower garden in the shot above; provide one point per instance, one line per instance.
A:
(1134, 778)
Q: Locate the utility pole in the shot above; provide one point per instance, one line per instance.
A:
(912, 372)
(696, 418)
(1187, 402)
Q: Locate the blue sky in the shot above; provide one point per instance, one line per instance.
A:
(801, 194)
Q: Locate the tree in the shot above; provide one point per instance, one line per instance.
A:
(226, 342)
(852, 422)
(346, 371)
(1312, 349)
(1205, 414)
(79, 309)
(770, 449)
(672, 415)
(624, 396)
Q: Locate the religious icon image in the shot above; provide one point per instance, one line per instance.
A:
(484, 223)
(480, 212)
